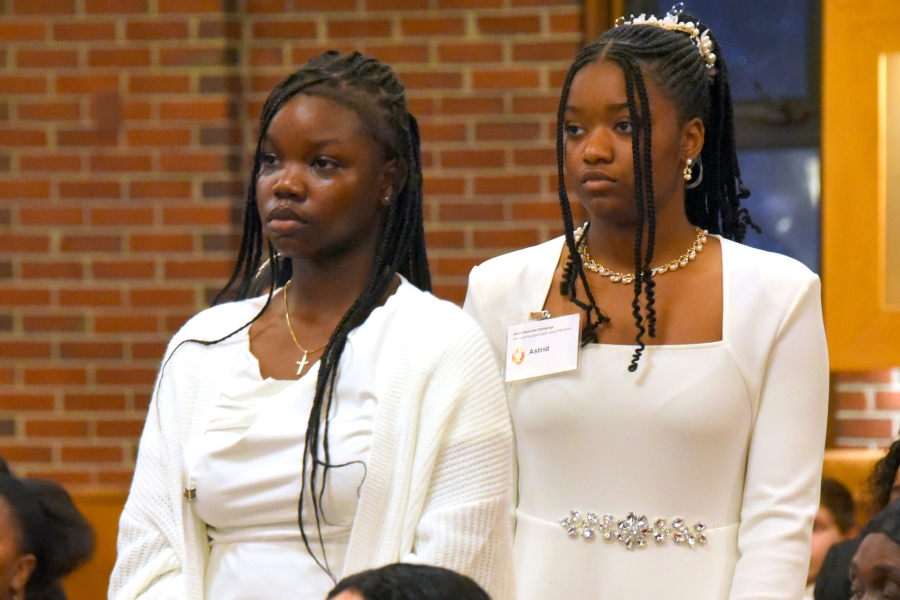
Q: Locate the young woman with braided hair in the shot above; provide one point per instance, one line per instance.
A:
(692, 430)
(264, 473)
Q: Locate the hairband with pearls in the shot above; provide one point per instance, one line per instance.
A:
(670, 21)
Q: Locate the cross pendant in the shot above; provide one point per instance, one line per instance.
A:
(302, 363)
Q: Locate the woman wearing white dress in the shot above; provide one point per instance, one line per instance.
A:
(346, 418)
(689, 439)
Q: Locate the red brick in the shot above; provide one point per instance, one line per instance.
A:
(22, 190)
(148, 350)
(123, 269)
(89, 189)
(176, 322)
(432, 26)
(197, 215)
(159, 137)
(114, 217)
(17, 137)
(865, 428)
(115, 6)
(510, 25)
(431, 80)
(536, 211)
(49, 111)
(43, 7)
(23, 296)
(93, 350)
(851, 401)
(444, 186)
(284, 30)
(91, 454)
(46, 58)
(22, 84)
(887, 400)
(199, 269)
(545, 105)
(880, 376)
(506, 185)
(175, 242)
(92, 297)
(51, 270)
(505, 79)
(159, 84)
(193, 163)
(136, 111)
(566, 23)
(67, 478)
(79, 31)
(505, 238)
(455, 267)
(194, 110)
(127, 428)
(161, 190)
(472, 159)
(265, 6)
(444, 239)
(19, 350)
(507, 131)
(87, 84)
(24, 243)
(470, 4)
(57, 428)
(51, 163)
(126, 324)
(471, 52)
(266, 57)
(48, 376)
(370, 28)
(90, 243)
(470, 211)
(18, 453)
(534, 157)
(162, 298)
(7, 377)
(156, 30)
(399, 53)
(94, 402)
(397, 5)
(454, 293)
(117, 479)
(120, 163)
(126, 376)
(86, 138)
(119, 57)
(471, 106)
(23, 401)
(22, 31)
(210, 56)
(422, 107)
(442, 132)
(545, 51)
(190, 6)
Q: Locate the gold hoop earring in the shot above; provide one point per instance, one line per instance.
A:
(688, 171)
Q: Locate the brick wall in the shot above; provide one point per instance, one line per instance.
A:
(867, 408)
(123, 128)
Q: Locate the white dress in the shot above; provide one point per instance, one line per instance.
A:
(728, 434)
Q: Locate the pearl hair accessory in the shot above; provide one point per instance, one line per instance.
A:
(670, 21)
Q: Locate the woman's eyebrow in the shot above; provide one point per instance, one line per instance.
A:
(576, 109)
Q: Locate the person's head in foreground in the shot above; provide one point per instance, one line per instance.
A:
(875, 570)
(884, 481)
(43, 537)
(835, 522)
(408, 582)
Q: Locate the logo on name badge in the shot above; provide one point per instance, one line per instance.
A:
(518, 355)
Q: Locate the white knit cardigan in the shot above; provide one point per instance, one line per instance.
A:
(439, 482)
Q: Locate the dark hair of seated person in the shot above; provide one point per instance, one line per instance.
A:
(881, 482)
(410, 582)
(48, 526)
(838, 500)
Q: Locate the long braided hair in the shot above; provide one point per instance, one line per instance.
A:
(677, 68)
(373, 91)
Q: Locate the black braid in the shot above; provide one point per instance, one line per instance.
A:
(676, 66)
(375, 94)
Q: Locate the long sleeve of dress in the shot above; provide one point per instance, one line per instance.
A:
(151, 536)
(784, 463)
(466, 520)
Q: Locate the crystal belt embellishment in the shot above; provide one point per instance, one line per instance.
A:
(634, 530)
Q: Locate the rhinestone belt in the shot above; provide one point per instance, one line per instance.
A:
(634, 530)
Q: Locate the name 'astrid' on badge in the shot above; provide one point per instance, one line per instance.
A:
(543, 348)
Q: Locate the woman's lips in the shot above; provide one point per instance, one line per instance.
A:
(596, 181)
(284, 225)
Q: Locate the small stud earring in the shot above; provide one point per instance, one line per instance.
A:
(688, 172)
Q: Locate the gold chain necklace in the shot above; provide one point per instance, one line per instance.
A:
(616, 277)
(287, 315)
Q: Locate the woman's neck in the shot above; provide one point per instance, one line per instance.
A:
(320, 288)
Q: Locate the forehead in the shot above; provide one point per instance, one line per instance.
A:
(601, 84)
(315, 117)
(877, 548)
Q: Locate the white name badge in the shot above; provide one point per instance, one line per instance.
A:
(539, 348)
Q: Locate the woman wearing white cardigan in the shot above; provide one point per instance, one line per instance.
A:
(407, 451)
